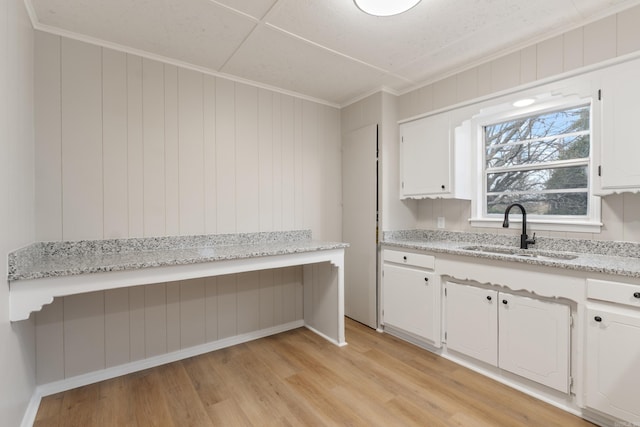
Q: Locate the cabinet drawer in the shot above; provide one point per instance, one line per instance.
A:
(620, 293)
(409, 258)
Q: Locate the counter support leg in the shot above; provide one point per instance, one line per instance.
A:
(324, 300)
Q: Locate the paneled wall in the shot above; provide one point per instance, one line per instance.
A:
(613, 36)
(89, 332)
(17, 350)
(130, 147)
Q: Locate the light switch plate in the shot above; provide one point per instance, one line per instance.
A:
(440, 222)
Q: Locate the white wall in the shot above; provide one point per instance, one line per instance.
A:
(614, 36)
(381, 108)
(130, 147)
(17, 350)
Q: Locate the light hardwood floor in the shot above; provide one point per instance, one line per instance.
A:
(298, 379)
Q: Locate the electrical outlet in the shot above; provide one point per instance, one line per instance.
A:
(440, 222)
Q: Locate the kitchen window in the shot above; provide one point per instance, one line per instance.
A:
(539, 157)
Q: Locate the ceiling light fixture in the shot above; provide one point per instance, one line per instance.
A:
(385, 7)
(524, 102)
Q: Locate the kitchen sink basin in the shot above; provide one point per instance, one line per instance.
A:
(524, 253)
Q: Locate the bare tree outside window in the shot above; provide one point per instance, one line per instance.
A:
(541, 161)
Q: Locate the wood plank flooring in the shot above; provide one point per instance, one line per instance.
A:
(298, 379)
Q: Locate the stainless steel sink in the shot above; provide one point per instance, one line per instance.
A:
(524, 253)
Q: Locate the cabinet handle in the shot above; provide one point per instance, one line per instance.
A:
(488, 297)
(442, 186)
(505, 302)
(636, 294)
(404, 257)
(598, 319)
(426, 280)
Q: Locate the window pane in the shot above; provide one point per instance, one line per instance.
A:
(563, 148)
(538, 126)
(541, 204)
(538, 179)
(552, 150)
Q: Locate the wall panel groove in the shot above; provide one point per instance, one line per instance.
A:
(135, 154)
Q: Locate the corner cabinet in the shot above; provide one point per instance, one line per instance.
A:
(411, 297)
(434, 159)
(617, 165)
(526, 336)
(612, 357)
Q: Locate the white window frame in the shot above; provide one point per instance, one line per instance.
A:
(505, 111)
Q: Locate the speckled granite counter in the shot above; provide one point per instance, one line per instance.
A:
(42, 271)
(615, 258)
(52, 259)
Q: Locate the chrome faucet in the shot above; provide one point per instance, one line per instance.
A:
(525, 241)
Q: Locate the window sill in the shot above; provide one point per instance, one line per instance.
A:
(540, 225)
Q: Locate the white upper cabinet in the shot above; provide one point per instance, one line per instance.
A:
(424, 156)
(434, 159)
(617, 162)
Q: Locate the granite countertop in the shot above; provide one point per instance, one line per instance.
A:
(616, 258)
(54, 259)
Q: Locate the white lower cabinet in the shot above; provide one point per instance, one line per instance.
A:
(472, 321)
(411, 295)
(526, 336)
(612, 356)
(523, 334)
(613, 362)
(534, 340)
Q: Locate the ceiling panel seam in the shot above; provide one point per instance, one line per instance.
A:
(259, 23)
(236, 11)
(335, 52)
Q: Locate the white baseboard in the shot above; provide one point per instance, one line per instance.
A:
(151, 362)
(29, 416)
(328, 338)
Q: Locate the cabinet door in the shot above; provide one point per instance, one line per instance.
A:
(411, 300)
(472, 321)
(613, 362)
(534, 339)
(425, 153)
(620, 141)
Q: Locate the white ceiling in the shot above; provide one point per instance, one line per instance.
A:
(324, 49)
